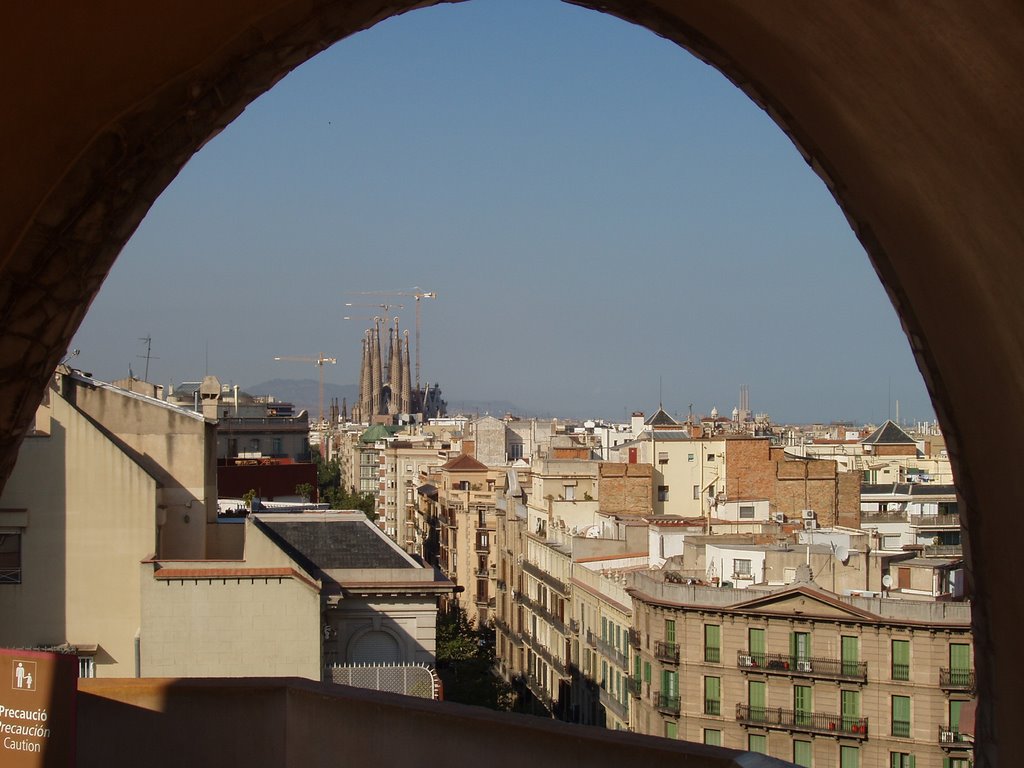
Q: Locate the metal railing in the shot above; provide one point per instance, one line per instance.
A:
(900, 671)
(956, 679)
(794, 666)
(547, 578)
(943, 550)
(613, 653)
(712, 653)
(665, 702)
(901, 728)
(609, 701)
(799, 720)
(935, 521)
(10, 576)
(668, 652)
(634, 686)
(950, 737)
(712, 706)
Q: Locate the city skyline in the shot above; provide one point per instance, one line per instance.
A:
(608, 224)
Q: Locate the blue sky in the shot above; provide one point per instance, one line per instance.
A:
(601, 215)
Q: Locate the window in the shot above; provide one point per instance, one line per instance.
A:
(671, 730)
(755, 645)
(86, 666)
(663, 457)
(901, 716)
(757, 742)
(604, 629)
(670, 631)
(850, 650)
(10, 557)
(569, 492)
(713, 737)
(662, 493)
(711, 457)
(800, 646)
(689, 457)
(275, 444)
(515, 451)
(647, 672)
(254, 445)
(756, 699)
(712, 643)
(849, 757)
(802, 704)
(900, 659)
(802, 753)
(901, 760)
(746, 512)
(741, 567)
(959, 665)
(696, 491)
(712, 696)
(850, 709)
(670, 683)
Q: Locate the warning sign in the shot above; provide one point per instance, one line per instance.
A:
(37, 708)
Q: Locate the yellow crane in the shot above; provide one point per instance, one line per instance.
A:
(416, 293)
(319, 361)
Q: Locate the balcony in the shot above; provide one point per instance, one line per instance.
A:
(543, 612)
(547, 578)
(951, 738)
(943, 550)
(956, 679)
(616, 707)
(612, 653)
(574, 626)
(591, 639)
(935, 521)
(815, 667)
(539, 692)
(804, 722)
(634, 686)
(667, 703)
(634, 638)
(666, 652)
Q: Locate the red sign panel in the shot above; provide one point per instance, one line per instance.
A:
(37, 708)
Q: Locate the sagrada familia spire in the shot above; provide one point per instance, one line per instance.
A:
(387, 390)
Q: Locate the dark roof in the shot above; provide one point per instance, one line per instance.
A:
(889, 434)
(319, 545)
(661, 419)
(464, 463)
(908, 489)
(427, 490)
(378, 432)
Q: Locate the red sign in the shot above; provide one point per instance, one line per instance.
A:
(37, 708)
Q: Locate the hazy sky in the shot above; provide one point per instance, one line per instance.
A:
(600, 214)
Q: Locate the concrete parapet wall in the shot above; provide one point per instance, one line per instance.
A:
(289, 722)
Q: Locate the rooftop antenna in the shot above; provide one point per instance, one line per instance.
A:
(149, 356)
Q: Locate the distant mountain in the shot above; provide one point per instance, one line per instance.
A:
(304, 394)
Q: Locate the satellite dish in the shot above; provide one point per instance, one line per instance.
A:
(843, 553)
(887, 581)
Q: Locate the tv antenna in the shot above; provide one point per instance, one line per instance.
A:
(149, 354)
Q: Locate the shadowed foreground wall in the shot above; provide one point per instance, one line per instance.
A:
(273, 723)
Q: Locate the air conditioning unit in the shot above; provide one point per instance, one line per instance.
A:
(808, 514)
(810, 525)
(803, 666)
(746, 661)
(780, 518)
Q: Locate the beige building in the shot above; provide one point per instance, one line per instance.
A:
(107, 478)
(311, 591)
(804, 675)
(457, 503)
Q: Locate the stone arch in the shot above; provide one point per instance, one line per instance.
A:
(909, 112)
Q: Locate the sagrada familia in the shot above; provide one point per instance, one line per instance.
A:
(386, 393)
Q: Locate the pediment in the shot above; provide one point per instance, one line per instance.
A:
(803, 601)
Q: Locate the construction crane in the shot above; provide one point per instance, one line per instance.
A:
(416, 293)
(319, 361)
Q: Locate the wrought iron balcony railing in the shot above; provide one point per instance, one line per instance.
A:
(806, 722)
(951, 738)
(609, 702)
(667, 652)
(668, 703)
(612, 653)
(956, 679)
(794, 666)
(634, 686)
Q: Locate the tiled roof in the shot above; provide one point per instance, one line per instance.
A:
(464, 463)
(320, 546)
(889, 433)
(661, 419)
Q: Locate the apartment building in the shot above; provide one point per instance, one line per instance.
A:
(804, 675)
(457, 501)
